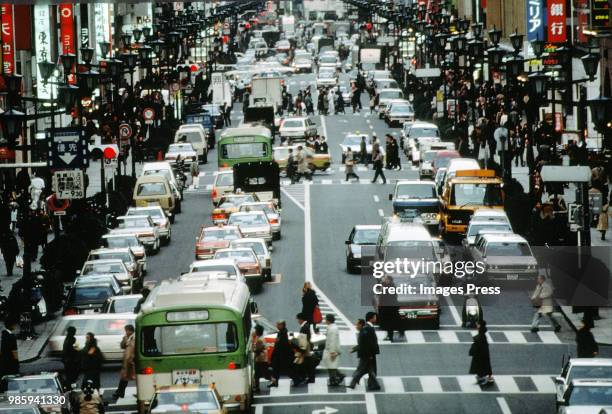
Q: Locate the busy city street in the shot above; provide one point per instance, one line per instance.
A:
(229, 236)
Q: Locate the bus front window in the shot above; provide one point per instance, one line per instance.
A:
(244, 150)
(189, 339)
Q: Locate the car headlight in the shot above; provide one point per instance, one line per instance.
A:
(493, 267)
(531, 267)
(473, 311)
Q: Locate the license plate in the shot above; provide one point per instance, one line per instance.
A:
(88, 311)
(186, 376)
(411, 315)
(512, 277)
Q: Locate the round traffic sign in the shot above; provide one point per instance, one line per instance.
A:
(148, 114)
(110, 153)
(125, 131)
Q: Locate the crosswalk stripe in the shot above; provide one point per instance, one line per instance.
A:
(456, 337)
(424, 384)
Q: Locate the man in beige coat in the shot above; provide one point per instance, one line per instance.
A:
(128, 366)
(542, 299)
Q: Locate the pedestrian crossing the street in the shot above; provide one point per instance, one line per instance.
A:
(425, 384)
(513, 337)
(342, 323)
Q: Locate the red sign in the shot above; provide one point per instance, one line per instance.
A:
(148, 114)
(66, 13)
(557, 31)
(8, 38)
(558, 121)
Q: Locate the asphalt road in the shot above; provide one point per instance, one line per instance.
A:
(427, 372)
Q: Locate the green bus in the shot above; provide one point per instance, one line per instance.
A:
(196, 332)
(246, 143)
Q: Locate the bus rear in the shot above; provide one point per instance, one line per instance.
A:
(244, 144)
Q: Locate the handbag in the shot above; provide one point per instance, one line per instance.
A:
(317, 317)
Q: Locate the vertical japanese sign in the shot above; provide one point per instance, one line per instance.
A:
(8, 39)
(84, 20)
(67, 34)
(557, 32)
(42, 33)
(102, 14)
(535, 20)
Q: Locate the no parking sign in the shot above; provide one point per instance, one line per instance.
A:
(149, 115)
(125, 132)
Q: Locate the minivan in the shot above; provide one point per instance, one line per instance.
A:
(155, 189)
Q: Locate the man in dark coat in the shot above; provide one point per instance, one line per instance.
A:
(10, 250)
(367, 349)
(70, 356)
(282, 355)
(9, 358)
(479, 351)
(585, 342)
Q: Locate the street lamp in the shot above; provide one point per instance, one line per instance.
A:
(46, 70)
(495, 35)
(104, 48)
(126, 40)
(600, 111)
(538, 47)
(146, 31)
(517, 41)
(538, 81)
(591, 64)
(68, 60)
(477, 30)
(137, 33)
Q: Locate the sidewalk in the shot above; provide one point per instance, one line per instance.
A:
(29, 350)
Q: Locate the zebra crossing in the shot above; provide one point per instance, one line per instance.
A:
(341, 322)
(424, 384)
(513, 337)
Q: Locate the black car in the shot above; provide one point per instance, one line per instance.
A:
(215, 114)
(59, 397)
(89, 294)
(360, 246)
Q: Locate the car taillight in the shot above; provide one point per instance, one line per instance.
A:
(273, 221)
(213, 192)
(185, 407)
(70, 311)
(231, 365)
(147, 371)
(218, 216)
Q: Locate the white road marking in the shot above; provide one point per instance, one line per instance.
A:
(503, 405)
(431, 384)
(453, 310)
(506, 385)
(548, 337)
(516, 336)
(308, 259)
(376, 199)
(323, 126)
(297, 203)
(381, 212)
(370, 404)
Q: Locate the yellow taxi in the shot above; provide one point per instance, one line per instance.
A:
(229, 204)
(316, 161)
(188, 398)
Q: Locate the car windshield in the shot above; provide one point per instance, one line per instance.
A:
(180, 148)
(386, 84)
(220, 234)
(121, 242)
(165, 173)
(390, 94)
(442, 161)
(237, 200)
(475, 228)
(415, 191)
(102, 268)
(90, 294)
(364, 236)
(352, 140)
(257, 247)
(127, 305)
(250, 219)
(152, 212)
(32, 385)
(429, 156)
(151, 189)
(591, 395)
(231, 270)
(123, 256)
(224, 180)
(589, 372)
(292, 123)
(327, 59)
(190, 136)
(424, 132)
(196, 400)
(258, 207)
(402, 109)
(194, 338)
(238, 255)
(508, 249)
(134, 222)
(478, 194)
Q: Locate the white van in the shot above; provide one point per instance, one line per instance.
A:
(196, 135)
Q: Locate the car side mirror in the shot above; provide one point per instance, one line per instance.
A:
(347, 242)
(390, 197)
(559, 380)
(126, 289)
(254, 307)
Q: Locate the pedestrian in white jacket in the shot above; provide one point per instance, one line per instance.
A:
(542, 299)
(331, 354)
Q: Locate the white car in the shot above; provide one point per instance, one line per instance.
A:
(297, 129)
(274, 217)
(114, 267)
(327, 77)
(426, 167)
(302, 64)
(260, 248)
(183, 150)
(385, 96)
(581, 368)
(398, 111)
(223, 184)
(329, 61)
(586, 396)
(196, 135)
(145, 229)
(107, 327)
(353, 141)
(227, 266)
(252, 224)
(158, 216)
